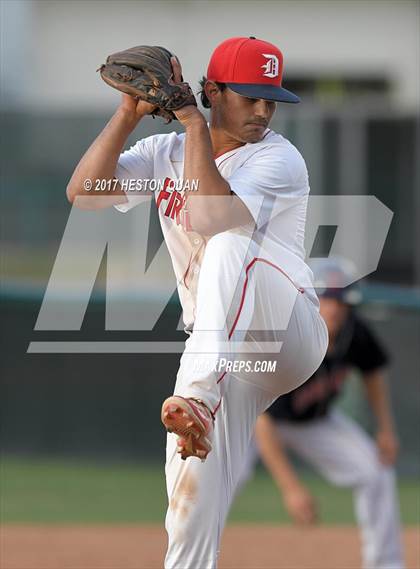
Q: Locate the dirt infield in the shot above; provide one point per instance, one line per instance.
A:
(141, 547)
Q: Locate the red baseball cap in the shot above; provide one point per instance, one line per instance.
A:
(250, 67)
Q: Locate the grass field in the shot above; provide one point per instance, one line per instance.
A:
(64, 491)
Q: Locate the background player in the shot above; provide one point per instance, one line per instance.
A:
(305, 422)
(239, 261)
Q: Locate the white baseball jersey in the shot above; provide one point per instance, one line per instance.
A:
(269, 176)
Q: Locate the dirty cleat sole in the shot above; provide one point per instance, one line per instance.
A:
(186, 419)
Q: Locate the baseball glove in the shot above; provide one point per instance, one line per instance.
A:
(146, 72)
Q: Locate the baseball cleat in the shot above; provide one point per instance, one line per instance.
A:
(192, 421)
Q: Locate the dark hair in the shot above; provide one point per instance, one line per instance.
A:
(204, 99)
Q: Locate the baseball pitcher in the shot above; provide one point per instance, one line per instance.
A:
(236, 244)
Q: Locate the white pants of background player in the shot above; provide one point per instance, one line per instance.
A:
(344, 454)
(265, 299)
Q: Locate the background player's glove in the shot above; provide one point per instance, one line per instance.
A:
(146, 72)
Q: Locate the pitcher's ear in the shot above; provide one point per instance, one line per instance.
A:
(211, 90)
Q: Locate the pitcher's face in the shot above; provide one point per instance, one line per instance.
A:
(242, 118)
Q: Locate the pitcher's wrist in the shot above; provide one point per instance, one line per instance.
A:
(129, 119)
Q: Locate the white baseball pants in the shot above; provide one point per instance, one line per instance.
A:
(246, 306)
(346, 456)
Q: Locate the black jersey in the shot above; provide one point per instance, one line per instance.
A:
(355, 348)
